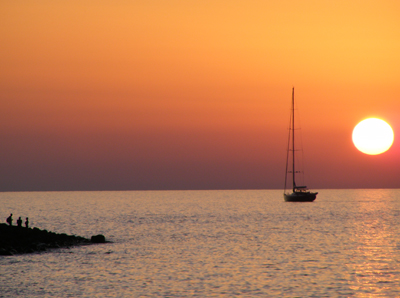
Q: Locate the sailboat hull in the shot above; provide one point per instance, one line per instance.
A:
(300, 197)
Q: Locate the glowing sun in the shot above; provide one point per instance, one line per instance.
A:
(373, 136)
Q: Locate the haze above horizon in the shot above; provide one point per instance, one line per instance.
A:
(148, 95)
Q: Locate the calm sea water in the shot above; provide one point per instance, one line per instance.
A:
(209, 244)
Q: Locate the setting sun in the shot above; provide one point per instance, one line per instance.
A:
(149, 95)
(373, 136)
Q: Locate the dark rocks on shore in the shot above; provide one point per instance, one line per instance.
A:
(98, 239)
(19, 240)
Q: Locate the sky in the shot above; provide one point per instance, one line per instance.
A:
(158, 95)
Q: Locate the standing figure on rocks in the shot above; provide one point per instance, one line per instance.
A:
(9, 220)
(19, 222)
(26, 223)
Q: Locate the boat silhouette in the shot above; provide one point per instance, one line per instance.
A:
(299, 193)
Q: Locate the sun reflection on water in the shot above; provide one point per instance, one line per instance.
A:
(376, 269)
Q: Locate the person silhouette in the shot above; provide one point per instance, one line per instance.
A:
(9, 220)
(19, 222)
(26, 223)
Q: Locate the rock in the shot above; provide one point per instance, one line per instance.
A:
(5, 252)
(20, 240)
(98, 239)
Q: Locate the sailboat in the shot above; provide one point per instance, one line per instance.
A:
(299, 193)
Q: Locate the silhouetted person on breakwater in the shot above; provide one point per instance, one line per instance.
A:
(19, 222)
(9, 220)
(26, 223)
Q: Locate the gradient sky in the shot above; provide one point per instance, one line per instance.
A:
(109, 95)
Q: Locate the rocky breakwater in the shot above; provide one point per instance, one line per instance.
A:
(20, 240)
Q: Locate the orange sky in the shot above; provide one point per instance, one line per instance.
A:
(194, 94)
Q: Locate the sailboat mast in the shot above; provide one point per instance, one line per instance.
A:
(293, 172)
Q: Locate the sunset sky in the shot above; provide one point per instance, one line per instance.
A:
(127, 95)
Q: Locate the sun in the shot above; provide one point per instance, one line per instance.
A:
(373, 136)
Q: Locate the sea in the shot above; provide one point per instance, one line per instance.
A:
(217, 243)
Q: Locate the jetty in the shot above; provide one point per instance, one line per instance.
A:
(20, 240)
